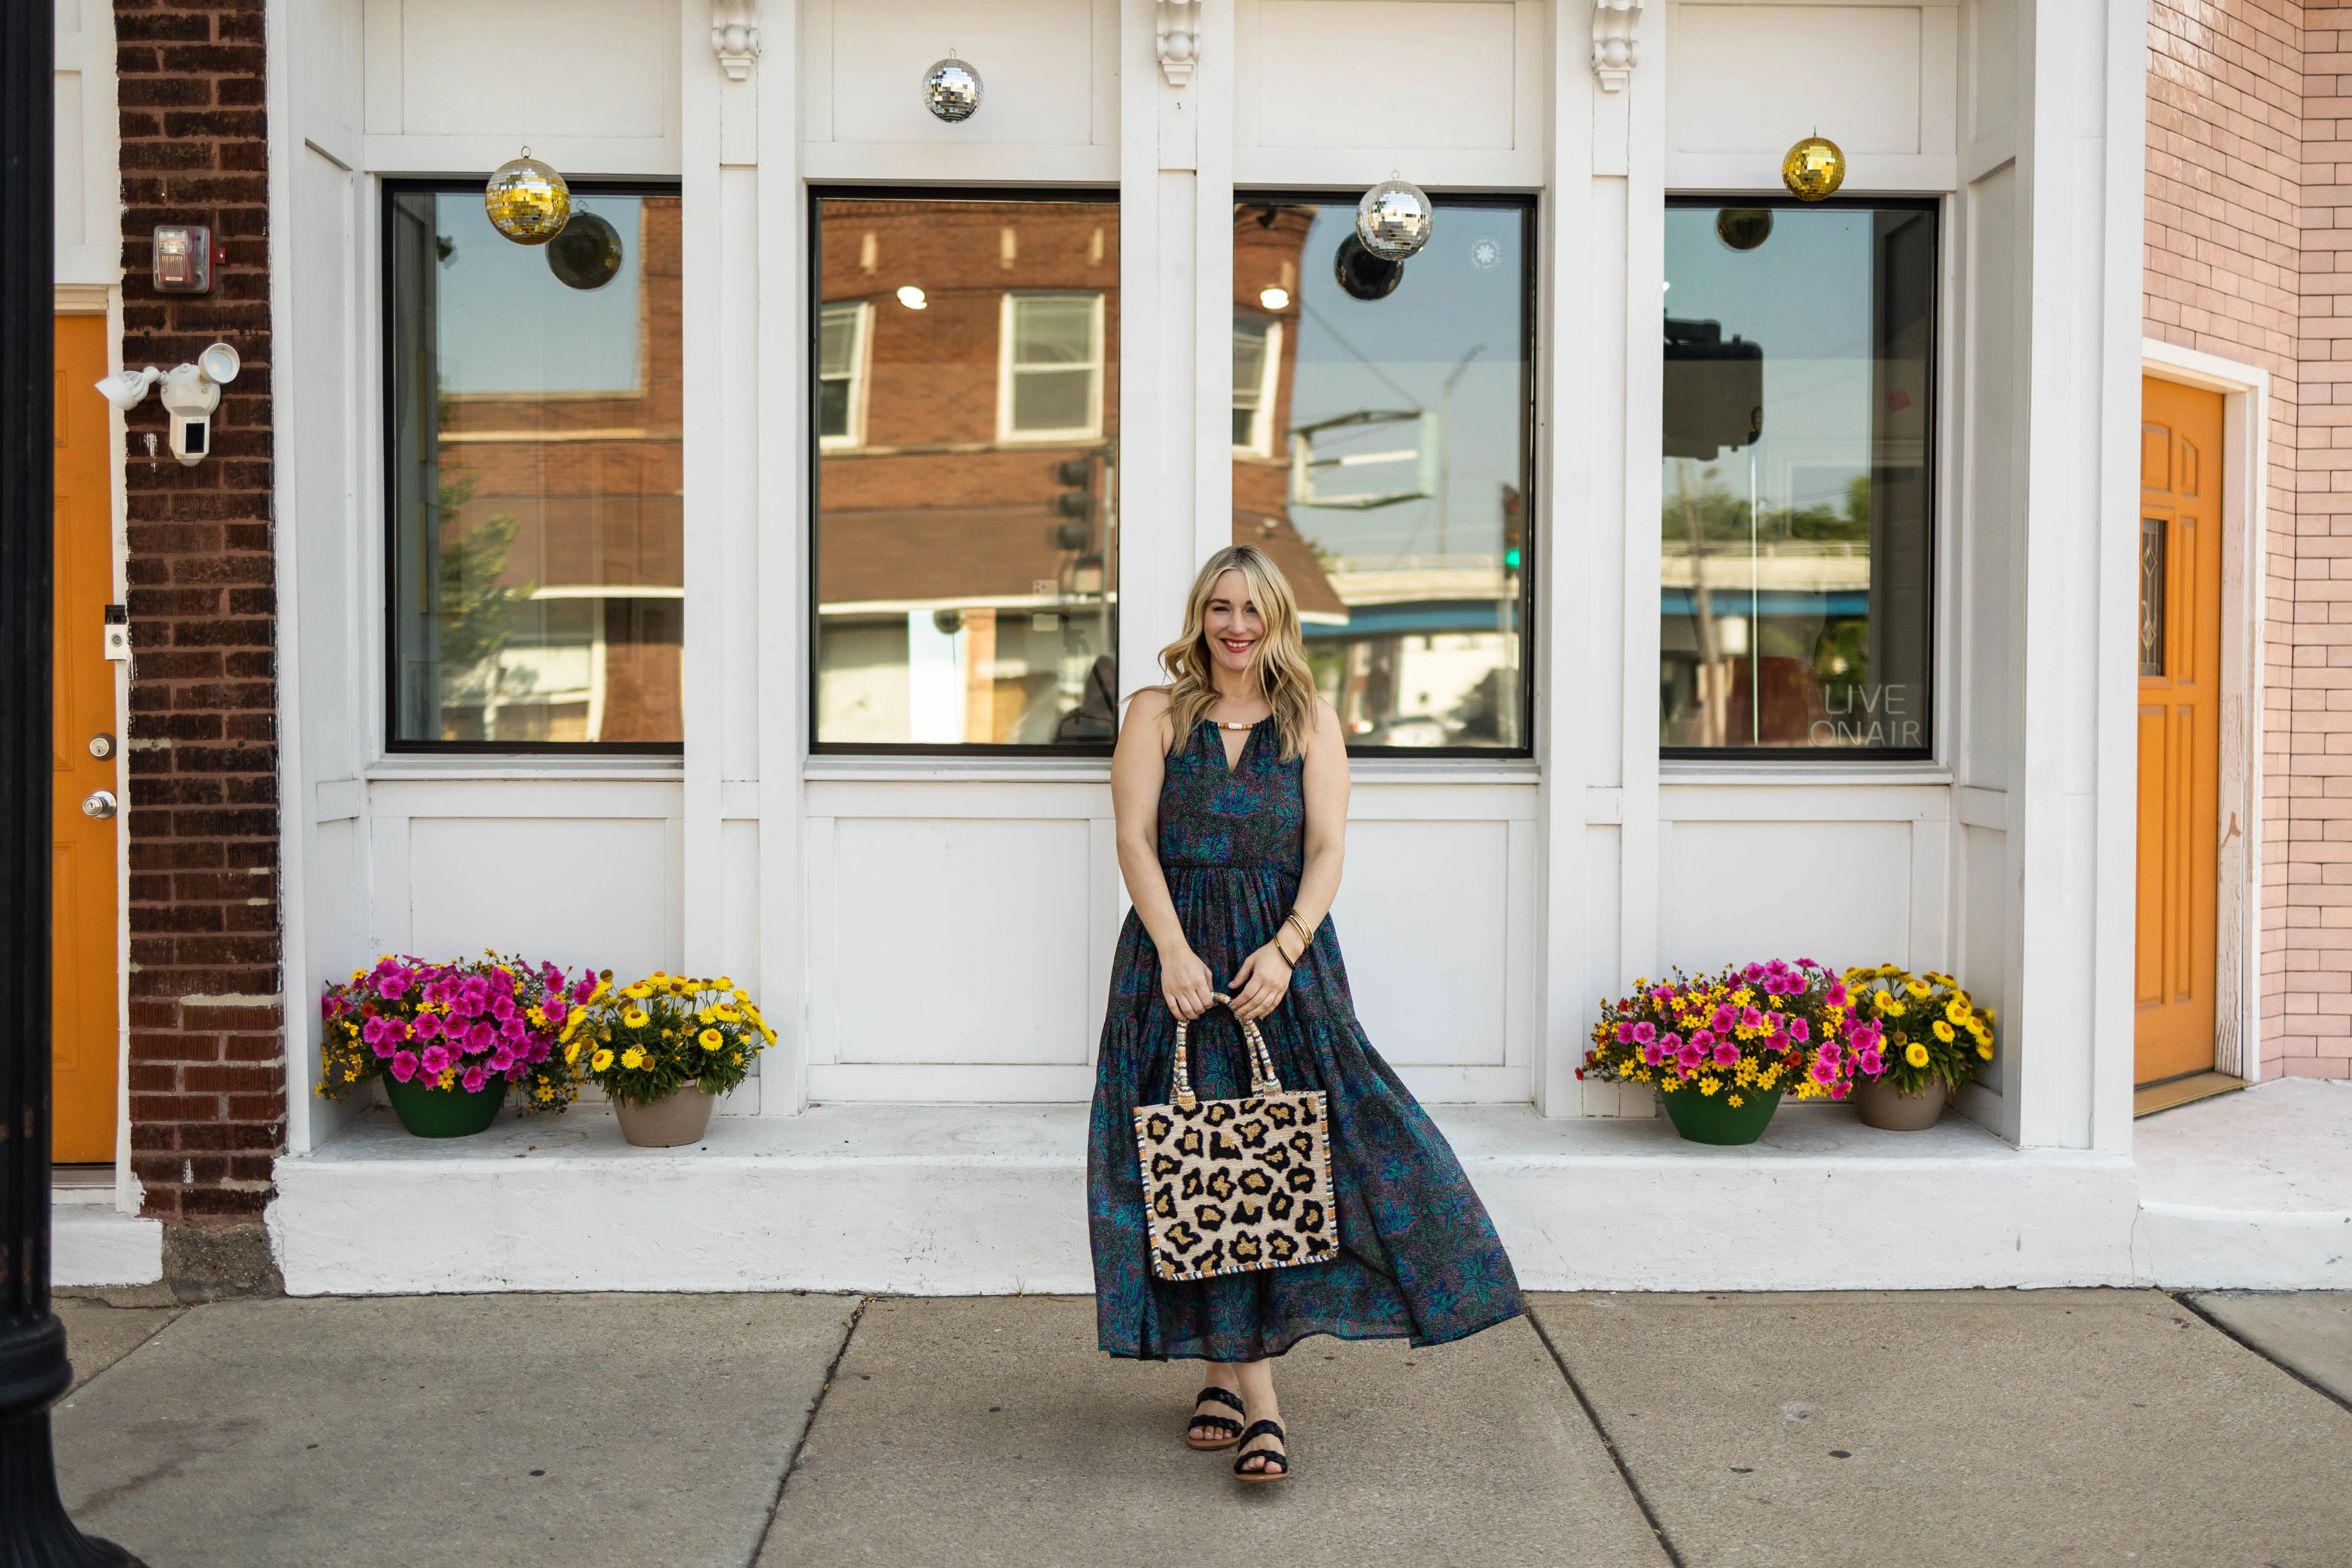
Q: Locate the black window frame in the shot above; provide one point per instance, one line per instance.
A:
(818, 195)
(1931, 459)
(392, 189)
(1527, 205)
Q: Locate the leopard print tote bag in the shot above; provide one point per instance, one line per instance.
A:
(1236, 1185)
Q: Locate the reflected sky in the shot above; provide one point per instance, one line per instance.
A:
(1465, 289)
(507, 324)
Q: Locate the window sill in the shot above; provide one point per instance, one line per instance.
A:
(430, 765)
(1681, 771)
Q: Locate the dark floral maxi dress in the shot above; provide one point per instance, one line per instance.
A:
(1419, 1257)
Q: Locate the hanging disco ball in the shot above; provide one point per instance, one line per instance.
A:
(1363, 275)
(1744, 228)
(587, 254)
(528, 201)
(1813, 170)
(1394, 220)
(951, 90)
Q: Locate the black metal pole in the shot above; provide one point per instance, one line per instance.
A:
(34, 1530)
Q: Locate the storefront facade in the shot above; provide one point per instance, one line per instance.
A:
(760, 604)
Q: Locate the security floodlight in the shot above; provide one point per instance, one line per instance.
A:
(128, 389)
(219, 363)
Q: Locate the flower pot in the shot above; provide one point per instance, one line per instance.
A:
(674, 1119)
(1712, 1119)
(1883, 1105)
(436, 1113)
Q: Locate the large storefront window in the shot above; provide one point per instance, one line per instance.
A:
(535, 556)
(1800, 419)
(966, 410)
(1380, 438)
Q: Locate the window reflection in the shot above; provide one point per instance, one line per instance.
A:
(967, 482)
(1795, 535)
(1379, 454)
(537, 573)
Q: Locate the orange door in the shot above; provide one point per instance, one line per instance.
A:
(82, 922)
(2180, 726)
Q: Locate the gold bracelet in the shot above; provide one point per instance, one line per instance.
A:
(1306, 937)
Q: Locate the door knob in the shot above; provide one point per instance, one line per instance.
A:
(100, 803)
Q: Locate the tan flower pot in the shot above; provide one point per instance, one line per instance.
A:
(1883, 1105)
(673, 1119)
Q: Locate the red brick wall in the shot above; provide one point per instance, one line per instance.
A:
(208, 1039)
(2231, 253)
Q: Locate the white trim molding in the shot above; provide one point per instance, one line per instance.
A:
(2245, 467)
(1178, 43)
(735, 36)
(1616, 49)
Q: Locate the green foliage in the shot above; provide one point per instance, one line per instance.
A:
(1928, 1016)
(478, 616)
(646, 1041)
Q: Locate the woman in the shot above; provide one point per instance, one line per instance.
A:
(1231, 789)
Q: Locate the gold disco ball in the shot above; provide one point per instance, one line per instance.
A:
(528, 201)
(1813, 169)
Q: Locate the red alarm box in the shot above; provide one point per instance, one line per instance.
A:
(184, 257)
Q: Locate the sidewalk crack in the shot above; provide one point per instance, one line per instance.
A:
(816, 1407)
(1601, 1429)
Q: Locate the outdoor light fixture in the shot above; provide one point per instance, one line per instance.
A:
(912, 297)
(1274, 299)
(191, 392)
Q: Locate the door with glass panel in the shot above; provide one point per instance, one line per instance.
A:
(2179, 728)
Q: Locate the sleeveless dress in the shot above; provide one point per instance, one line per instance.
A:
(1419, 1257)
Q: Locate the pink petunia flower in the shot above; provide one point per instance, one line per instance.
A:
(1749, 1018)
(1725, 1054)
(1871, 1062)
(1689, 1057)
(1724, 1020)
(435, 1059)
(479, 1037)
(1644, 1032)
(1823, 1073)
(474, 1077)
(1654, 1053)
(403, 1066)
(1800, 1031)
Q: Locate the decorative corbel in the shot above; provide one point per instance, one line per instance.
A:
(735, 35)
(1615, 49)
(1178, 45)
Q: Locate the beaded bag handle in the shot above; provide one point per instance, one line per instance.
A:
(1262, 1078)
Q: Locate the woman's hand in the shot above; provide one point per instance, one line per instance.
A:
(1186, 983)
(1262, 984)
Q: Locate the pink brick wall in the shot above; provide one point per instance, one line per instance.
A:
(2244, 188)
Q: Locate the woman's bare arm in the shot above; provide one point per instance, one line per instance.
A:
(1138, 768)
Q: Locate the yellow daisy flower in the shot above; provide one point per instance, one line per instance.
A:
(1943, 1031)
(1955, 1012)
(600, 1061)
(1916, 1054)
(711, 1040)
(742, 996)
(572, 1053)
(632, 1058)
(725, 983)
(640, 990)
(1918, 988)
(1984, 1049)
(705, 1015)
(637, 1017)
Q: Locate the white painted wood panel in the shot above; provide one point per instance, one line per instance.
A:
(1406, 73)
(591, 85)
(961, 941)
(569, 891)
(1838, 892)
(1423, 924)
(88, 210)
(1037, 61)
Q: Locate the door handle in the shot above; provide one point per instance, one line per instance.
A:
(100, 803)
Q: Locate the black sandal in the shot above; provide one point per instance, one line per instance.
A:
(1230, 1429)
(1268, 1458)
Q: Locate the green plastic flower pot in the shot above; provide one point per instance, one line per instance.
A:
(444, 1112)
(1712, 1119)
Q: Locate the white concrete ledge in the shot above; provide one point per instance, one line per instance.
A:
(991, 1199)
(2250, 1191)
(91, 1245)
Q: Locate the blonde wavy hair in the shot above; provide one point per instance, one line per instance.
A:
(1279, 661)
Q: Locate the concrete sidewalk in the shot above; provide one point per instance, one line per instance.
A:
(1818, 1430)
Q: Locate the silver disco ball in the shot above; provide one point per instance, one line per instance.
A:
(951, 91)
(1395, 220)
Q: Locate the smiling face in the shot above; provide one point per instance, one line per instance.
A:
(1232, 623)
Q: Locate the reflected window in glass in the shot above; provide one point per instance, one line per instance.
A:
(966, 413)
(1382, 437)
(1795, 571)
(535, 550)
